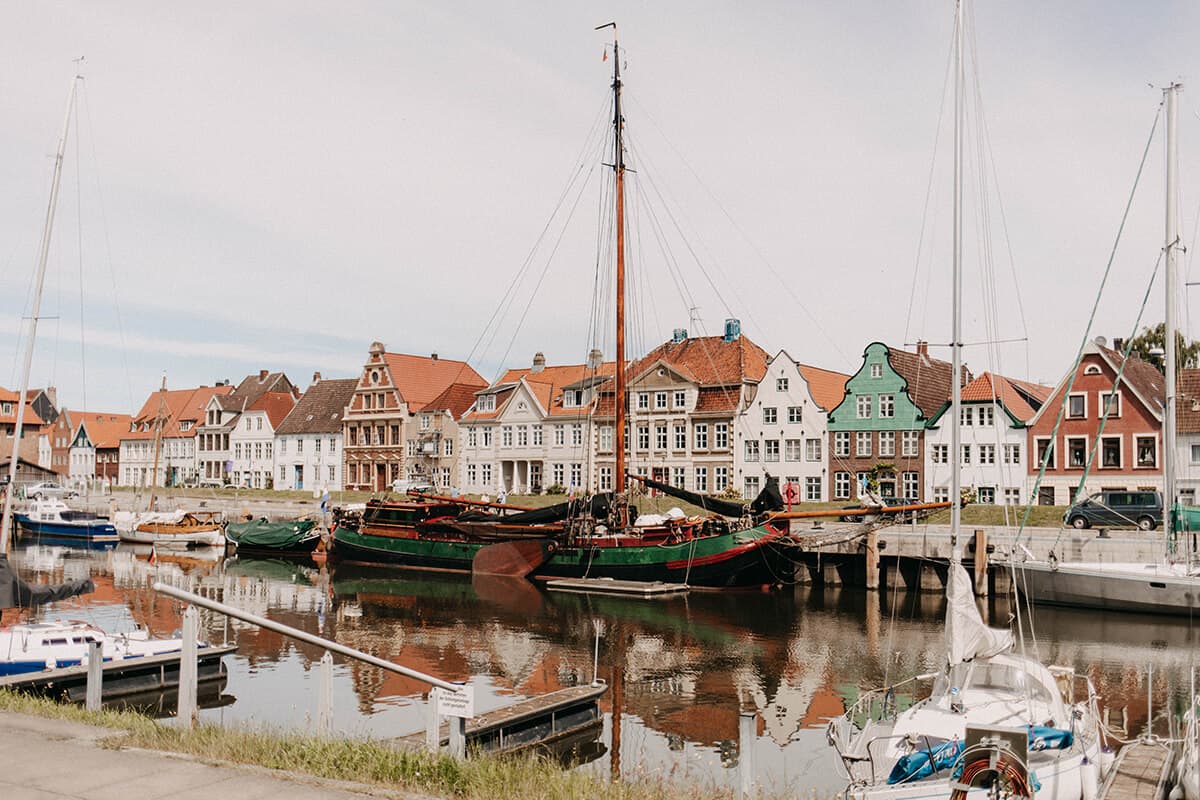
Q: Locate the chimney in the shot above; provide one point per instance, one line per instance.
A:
(316, 377)
(262, 375)
(433, 356)
(922, 347)
(594, 359)
(539, 362)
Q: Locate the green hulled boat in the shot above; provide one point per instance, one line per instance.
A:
(296, 536)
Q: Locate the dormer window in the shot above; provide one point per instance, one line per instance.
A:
(8, 409)
(573, 398)
(487, 402)
(186, 425)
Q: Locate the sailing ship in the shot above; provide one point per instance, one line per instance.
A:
(1171, 583)
(994, 718)
(597, 536)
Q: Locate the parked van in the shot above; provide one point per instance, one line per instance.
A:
(1118, 508)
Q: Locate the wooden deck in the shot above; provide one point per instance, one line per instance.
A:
(1141, 772)
(611, 586)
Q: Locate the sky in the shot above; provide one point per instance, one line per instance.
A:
(276, 185)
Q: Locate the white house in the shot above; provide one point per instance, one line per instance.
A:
(252, 439)
(178, 411)
(222, 416)
(308, 442)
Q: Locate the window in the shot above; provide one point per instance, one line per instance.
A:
(506, 435)
(841, 485)
(792, 449)
(560, 434)
(1196, 454)
(701, 479)
(1147, 451)
(795, 415)
(863, 406)
(752, 450)
(558, 474)
(910, 444)
(1044, 452)
(939, 453)
(941, 494)
(681, 436)
(966, 454)
(536, 431)
(472, 474)
(485, 474)
(643, 400)
(721, 436)
(472, 437)
(1110, 452)
(877, 370)
(812, 489)
(862, 443)
(680, 399)
(660, 436)
(986, 495)
(967, 415)
(812, 449)
(987, 416)
(1012, 454)
(887, 405)
(1110, 403)
(751, 486)
(577, 434)
(887, 443)
(1076, 452)
(395, 434)
(679, 477)
(700, 437)
(299, 447)
(572, 398)
(486, 437)
(1077, 406)
(771, 450)
(781, 384)
(237, 450)
(911, 483)
(522, 436)
(605, 480)
(770, 416)
(316, 445)
(841, 443)
(1012, 497)
(720, 479)
(447, 447)
(862, 480)
(660, 401)
(606, 438)
(987, 454)
(425, 422)
(643, 437)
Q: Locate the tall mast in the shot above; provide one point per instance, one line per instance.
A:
(956, 325)
(619, 169)
(43, 257)
(1171, 239)
(159, 419)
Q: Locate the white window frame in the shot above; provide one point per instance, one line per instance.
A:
(863, 442)
(887, 406)
(862, 406)
(887, 444)
(1070, 400)
(841, 485)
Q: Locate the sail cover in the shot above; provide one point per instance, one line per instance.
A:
(769, 499)
(16, 593)
(966, 635)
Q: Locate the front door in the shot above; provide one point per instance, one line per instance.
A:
(381, 481)
(299, 476)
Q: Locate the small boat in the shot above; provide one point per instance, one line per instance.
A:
(37, 646)
(293, 536)
(176, 529)
(51, 518)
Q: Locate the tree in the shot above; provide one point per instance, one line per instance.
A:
(1148, 346)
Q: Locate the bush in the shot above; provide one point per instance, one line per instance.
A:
(556, 488)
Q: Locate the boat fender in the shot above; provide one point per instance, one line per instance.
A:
(1089, 778)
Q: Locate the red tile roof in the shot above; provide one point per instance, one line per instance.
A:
(1013, 394)
(277, 405)
(708, 360)
(420, 379)
(546, 385)
(31, 418)
(928, 378)
(828, 388)
(1187, 402)
(1141, 376)
(181, 405)
(104, 430)
(456, 399)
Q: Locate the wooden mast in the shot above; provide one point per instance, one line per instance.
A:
(158, 426)
(618, 166)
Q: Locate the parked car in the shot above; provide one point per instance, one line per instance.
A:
(1117, 508)
(888, 502)
(210, 483)
(400, 486)
(39, 491)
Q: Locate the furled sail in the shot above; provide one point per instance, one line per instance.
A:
(769, 499)
(967, 637)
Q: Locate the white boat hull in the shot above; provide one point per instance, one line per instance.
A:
(204, 538)
(1145, 588)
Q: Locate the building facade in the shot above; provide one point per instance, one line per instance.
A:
(219, 458)
(95, 451)
(177, 413)
(308, 443)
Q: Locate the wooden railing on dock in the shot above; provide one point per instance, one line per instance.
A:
(1141, 771)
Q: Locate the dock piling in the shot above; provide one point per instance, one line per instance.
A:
(433, 723)
(458, 737)
(872, 559)
(325, 696)
(188, 673)
(981, 563)
(95, 676)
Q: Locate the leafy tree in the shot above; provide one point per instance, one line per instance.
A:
(1148, 346)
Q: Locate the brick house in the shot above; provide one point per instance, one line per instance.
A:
(1187, 435)
(878, 429)
(1128, 454)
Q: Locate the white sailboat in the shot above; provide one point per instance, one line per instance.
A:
(1166, 585)
(995, 718)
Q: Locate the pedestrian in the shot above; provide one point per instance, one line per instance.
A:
(501, 496)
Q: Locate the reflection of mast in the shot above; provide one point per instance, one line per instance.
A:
(617, 685)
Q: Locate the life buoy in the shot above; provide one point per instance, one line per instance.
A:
(791, 493)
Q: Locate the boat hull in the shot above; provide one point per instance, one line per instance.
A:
(752, 557)
(200, 537)
(89, 531)
(1147, 589)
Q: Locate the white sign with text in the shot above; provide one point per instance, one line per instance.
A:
(455, 704)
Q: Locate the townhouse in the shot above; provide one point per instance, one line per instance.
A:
(308, 443)
(177, 413)
(95, 450)
(225, 447)
(1187, 436)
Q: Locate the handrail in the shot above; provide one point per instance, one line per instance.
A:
(303, 636)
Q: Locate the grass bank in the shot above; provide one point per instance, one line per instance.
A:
(365, 761)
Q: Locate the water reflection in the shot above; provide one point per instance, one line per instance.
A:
(680, 669)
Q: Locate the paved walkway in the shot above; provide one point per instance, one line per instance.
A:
(42, 759)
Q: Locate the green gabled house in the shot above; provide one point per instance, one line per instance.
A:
(877, 432)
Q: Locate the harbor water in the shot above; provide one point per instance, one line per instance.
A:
(680, 669)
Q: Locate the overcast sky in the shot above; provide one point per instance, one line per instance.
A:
(276, 185)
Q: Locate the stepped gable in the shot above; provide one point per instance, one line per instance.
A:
(1187, 402)
(320, 409)
(928, 378)
(1018, 397)
(1141, 376)
(182, 405)
(420, 379)
(827, 386)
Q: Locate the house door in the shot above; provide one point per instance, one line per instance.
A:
(381, 481)
(535, 478)
(299, 472)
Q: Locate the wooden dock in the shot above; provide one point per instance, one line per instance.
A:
(1141, 771)
(121, 679)
(542, 721)
(646, 589)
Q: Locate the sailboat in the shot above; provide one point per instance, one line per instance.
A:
(1165, 585)
(593, 537)
(995, 718)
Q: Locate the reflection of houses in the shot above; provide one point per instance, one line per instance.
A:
(1127, 456)
(179, 411)
(308, 443)
(225, 444)
(380, 445)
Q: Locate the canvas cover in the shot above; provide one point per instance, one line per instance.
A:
(967, 637)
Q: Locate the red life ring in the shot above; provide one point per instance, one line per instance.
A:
(791, 493)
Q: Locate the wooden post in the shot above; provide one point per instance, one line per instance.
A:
(872, 559)
(188, 663)
(458, 737)
(981, 563)
(746, 735)
(95, 676)
(325, 696)
(433, 724)
(829, 573)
